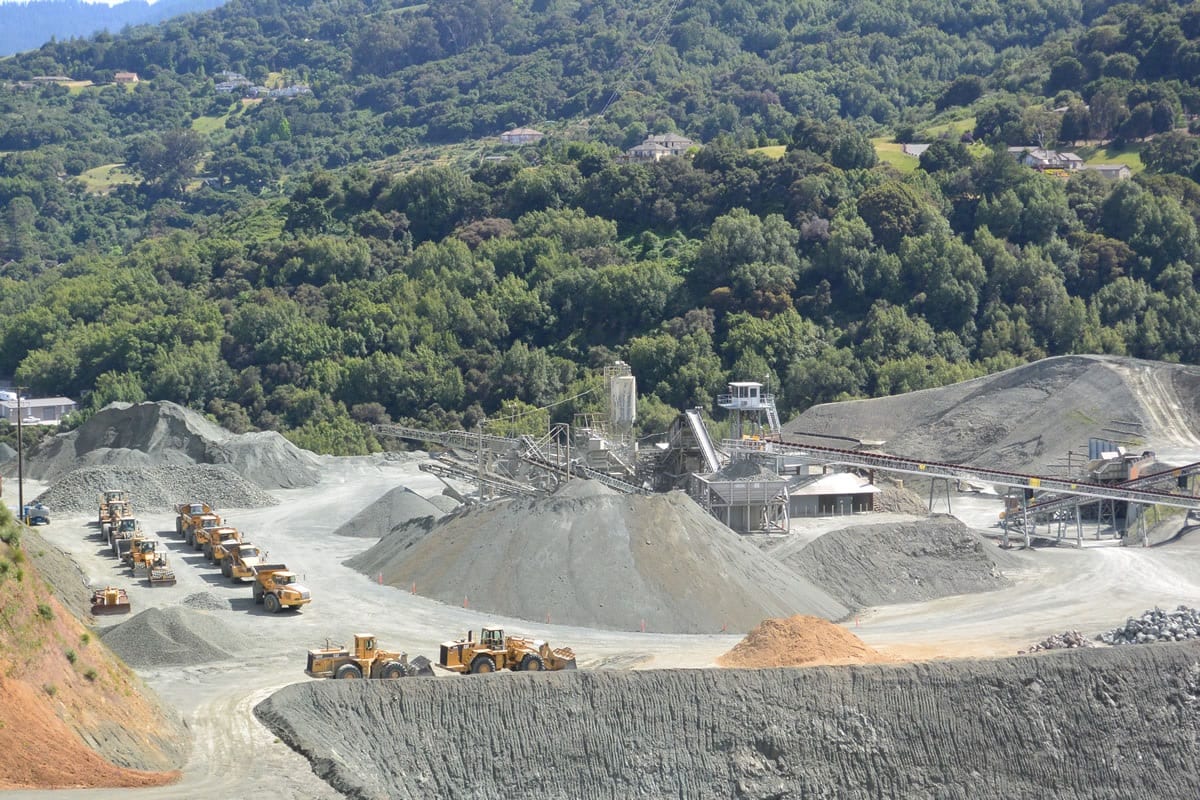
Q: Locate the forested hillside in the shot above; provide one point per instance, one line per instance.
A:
(368, 250)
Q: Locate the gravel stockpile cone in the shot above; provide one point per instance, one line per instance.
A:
(589, 557)
(797, 641)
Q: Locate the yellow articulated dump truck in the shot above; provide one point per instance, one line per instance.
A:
(206, 538)
(367, 661)
(240, 560)
(277, 588)
(496, 651)
(220, 542)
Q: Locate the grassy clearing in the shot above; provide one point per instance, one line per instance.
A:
(893, 153)
(771, 151)
(954, 127)
(207, 125)
(77, 87)
(102, 179)
(1130, 155)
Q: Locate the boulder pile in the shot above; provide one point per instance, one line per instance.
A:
(1157, 626)
(1059, 641)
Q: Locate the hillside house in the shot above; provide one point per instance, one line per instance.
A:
(37, 410)
(521, 136)
(1041, 159)
(125, 77)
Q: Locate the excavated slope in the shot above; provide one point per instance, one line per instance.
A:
(873, 565)
(1068, 725)
(165, 434)
(1025, 417)
(597, 559)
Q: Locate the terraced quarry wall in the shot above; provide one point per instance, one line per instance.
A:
(1076, 725)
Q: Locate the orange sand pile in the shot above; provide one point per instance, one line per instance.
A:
(799, 641)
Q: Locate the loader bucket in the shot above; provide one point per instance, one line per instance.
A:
(423, 667)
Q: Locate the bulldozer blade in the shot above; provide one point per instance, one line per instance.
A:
(101, 610)
(569, 664)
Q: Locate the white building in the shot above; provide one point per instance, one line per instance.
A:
(37, 410)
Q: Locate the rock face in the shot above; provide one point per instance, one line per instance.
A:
(872, 565)
(165, 434)
(594, 558)
(1071, 725)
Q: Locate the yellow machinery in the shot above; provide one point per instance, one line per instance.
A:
(275, 586)
(110, 600)
(219, 543)
(117, 510)
(109, 496)
(241, 559)
(146, 556)
(121, 534)
(367, 661)
(496, 651)
(204, 538)
(186, 511)
(195, 525)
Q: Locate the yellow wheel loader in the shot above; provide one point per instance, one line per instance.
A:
(496, 651)
(367, 661)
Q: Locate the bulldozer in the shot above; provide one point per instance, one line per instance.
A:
(110, 600)
(276, 588)
(496, 651)
(367, 661)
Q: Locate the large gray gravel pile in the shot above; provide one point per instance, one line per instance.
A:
(594, 558)
(174, 636)
(1157, 626)
(397, 507)
(1069, 725)
(162, 434)
(154, 488)
(897, 562)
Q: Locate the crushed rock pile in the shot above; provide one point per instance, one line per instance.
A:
(797, 641)
(1024, 418)
(951, 730)
(597, 559)
(1156, 626)
(173, 636)
(397, 507)
(897, 562)
(1060, 641)
(155, 488)
(205, 601)
(151, 435)
(899, 499)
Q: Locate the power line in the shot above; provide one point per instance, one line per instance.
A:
(649, 49)
(511, 417)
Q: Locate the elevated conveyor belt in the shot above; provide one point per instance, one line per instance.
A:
(696, 422)
(933, 469)
(1044, 505)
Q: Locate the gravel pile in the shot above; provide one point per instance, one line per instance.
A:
(899, 499)
(798, 641)
(590, 557)
(1067, 640)
(155, 488)
(205, 601)
(1069, 726)
(397, 507)
(160, 434)
(897, 562)
(174, 636)
(1156, 626)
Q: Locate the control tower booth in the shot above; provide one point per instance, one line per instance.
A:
(743, 396)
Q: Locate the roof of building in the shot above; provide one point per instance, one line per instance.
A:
(523, 132)
(832, 483)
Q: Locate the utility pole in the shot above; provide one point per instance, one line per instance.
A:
(20, 463)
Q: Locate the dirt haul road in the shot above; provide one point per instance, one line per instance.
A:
(234, 755)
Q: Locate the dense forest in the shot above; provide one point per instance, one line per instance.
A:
(369, 251)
